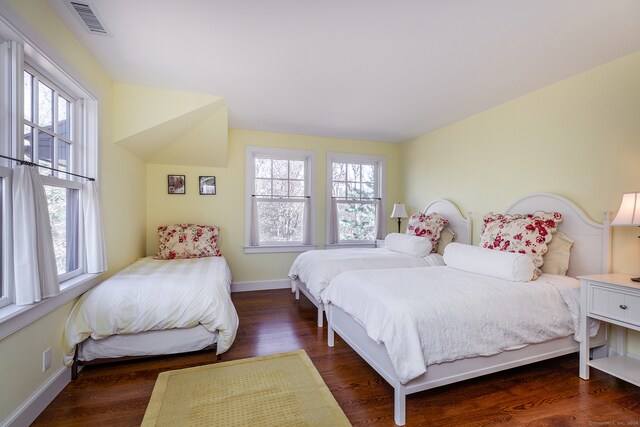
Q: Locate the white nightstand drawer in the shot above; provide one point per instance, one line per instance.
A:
(615, 299)
(614, 305)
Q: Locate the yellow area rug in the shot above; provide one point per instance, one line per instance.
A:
(278, 390)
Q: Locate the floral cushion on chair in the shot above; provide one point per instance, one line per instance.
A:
(187, 241)
(525, 234)
(427, 225)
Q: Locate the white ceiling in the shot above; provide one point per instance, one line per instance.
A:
(364, 69)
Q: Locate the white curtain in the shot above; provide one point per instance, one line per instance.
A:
(334, 231)
(306, 231)
(35, 271)
(254, 231)
(380, 219)
(93, 230)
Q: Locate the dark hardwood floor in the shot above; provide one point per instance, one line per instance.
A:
(548, 393)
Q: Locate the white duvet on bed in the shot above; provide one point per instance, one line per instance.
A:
(438, 314)
(316, 268)
(155, 295)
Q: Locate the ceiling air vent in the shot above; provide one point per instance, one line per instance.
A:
(86, 12)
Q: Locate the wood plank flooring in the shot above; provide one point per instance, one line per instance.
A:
(548, 393)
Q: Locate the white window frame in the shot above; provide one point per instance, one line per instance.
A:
(310, 185)
(381, 169)
(49, 63)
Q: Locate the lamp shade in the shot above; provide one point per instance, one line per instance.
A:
(399, 211)
(629, 212)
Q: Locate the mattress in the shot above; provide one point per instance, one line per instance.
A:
(153, 295)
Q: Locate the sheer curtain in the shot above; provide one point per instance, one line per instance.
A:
(306, 231)
(254, 238)
(35, 271)
(334, 231)
(379, 220)
(93, 230)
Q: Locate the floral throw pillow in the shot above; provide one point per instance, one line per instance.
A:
(427, 225)
(187, 241)
(525, 234)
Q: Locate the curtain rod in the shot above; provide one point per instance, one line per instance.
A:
(361, 198)
(25, 162)
(280, 197)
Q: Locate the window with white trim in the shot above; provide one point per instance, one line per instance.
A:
(279, 204)
(355, 187)
(49, 140)
(50, 120)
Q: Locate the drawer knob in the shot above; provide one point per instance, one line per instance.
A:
(622, 306)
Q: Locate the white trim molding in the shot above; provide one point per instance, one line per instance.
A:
(262, 285)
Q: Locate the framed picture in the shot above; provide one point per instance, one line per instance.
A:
(176, 184)
(208, 185)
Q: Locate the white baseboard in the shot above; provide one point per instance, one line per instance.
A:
(33, 406)
(262, 285)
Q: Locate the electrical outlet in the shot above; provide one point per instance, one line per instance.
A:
(46, 359)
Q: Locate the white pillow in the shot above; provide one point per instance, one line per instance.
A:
(407, 244)
(510, 266)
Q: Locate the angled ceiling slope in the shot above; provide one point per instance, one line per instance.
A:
(169, 127)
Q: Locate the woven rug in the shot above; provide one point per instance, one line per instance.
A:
(278, 390)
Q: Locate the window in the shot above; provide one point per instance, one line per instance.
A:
(49, 141)
(279, 208)
(355, 188)
(48, 119)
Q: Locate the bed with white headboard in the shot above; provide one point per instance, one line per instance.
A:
(589, 255)
(312, 270)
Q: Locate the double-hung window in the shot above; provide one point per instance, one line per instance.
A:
(279, 203)
(47, 119)
(355, 192)
(49, 139)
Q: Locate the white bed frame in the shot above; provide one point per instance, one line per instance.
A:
(589, 255)
(461, 226)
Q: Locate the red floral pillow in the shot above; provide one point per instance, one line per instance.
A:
(187, 241)
(427, 225)
(525, 234)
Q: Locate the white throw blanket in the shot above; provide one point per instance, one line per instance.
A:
(154, 295)
(433, 315)
(316, 268)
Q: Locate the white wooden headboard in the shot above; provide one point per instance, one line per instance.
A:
(591, 252)
(460, 225)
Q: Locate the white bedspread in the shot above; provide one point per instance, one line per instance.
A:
(432, 315)
(154, 295)
(316, 268)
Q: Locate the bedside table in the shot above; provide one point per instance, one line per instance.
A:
(614, 299)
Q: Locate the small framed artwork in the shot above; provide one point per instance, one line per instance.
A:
(176, 184)
(207, 185)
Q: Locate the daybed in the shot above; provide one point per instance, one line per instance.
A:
(376, 318)
(157, 306)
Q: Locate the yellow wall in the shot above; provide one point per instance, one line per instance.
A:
(226, 208)
(122, 179)
(579, 138)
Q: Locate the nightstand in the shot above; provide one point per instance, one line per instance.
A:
(614, 299)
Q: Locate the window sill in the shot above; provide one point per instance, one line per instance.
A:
(278, 248)
(15, 317)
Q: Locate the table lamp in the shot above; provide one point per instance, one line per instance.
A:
(399, 211)
(628, 214)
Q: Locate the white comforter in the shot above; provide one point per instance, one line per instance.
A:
(153, 295)
(316, 268)
(432, 315)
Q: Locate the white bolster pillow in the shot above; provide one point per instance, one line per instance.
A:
(510, 266)
(408, 244)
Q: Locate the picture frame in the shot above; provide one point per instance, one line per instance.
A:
(207, 185)
(176, 184)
